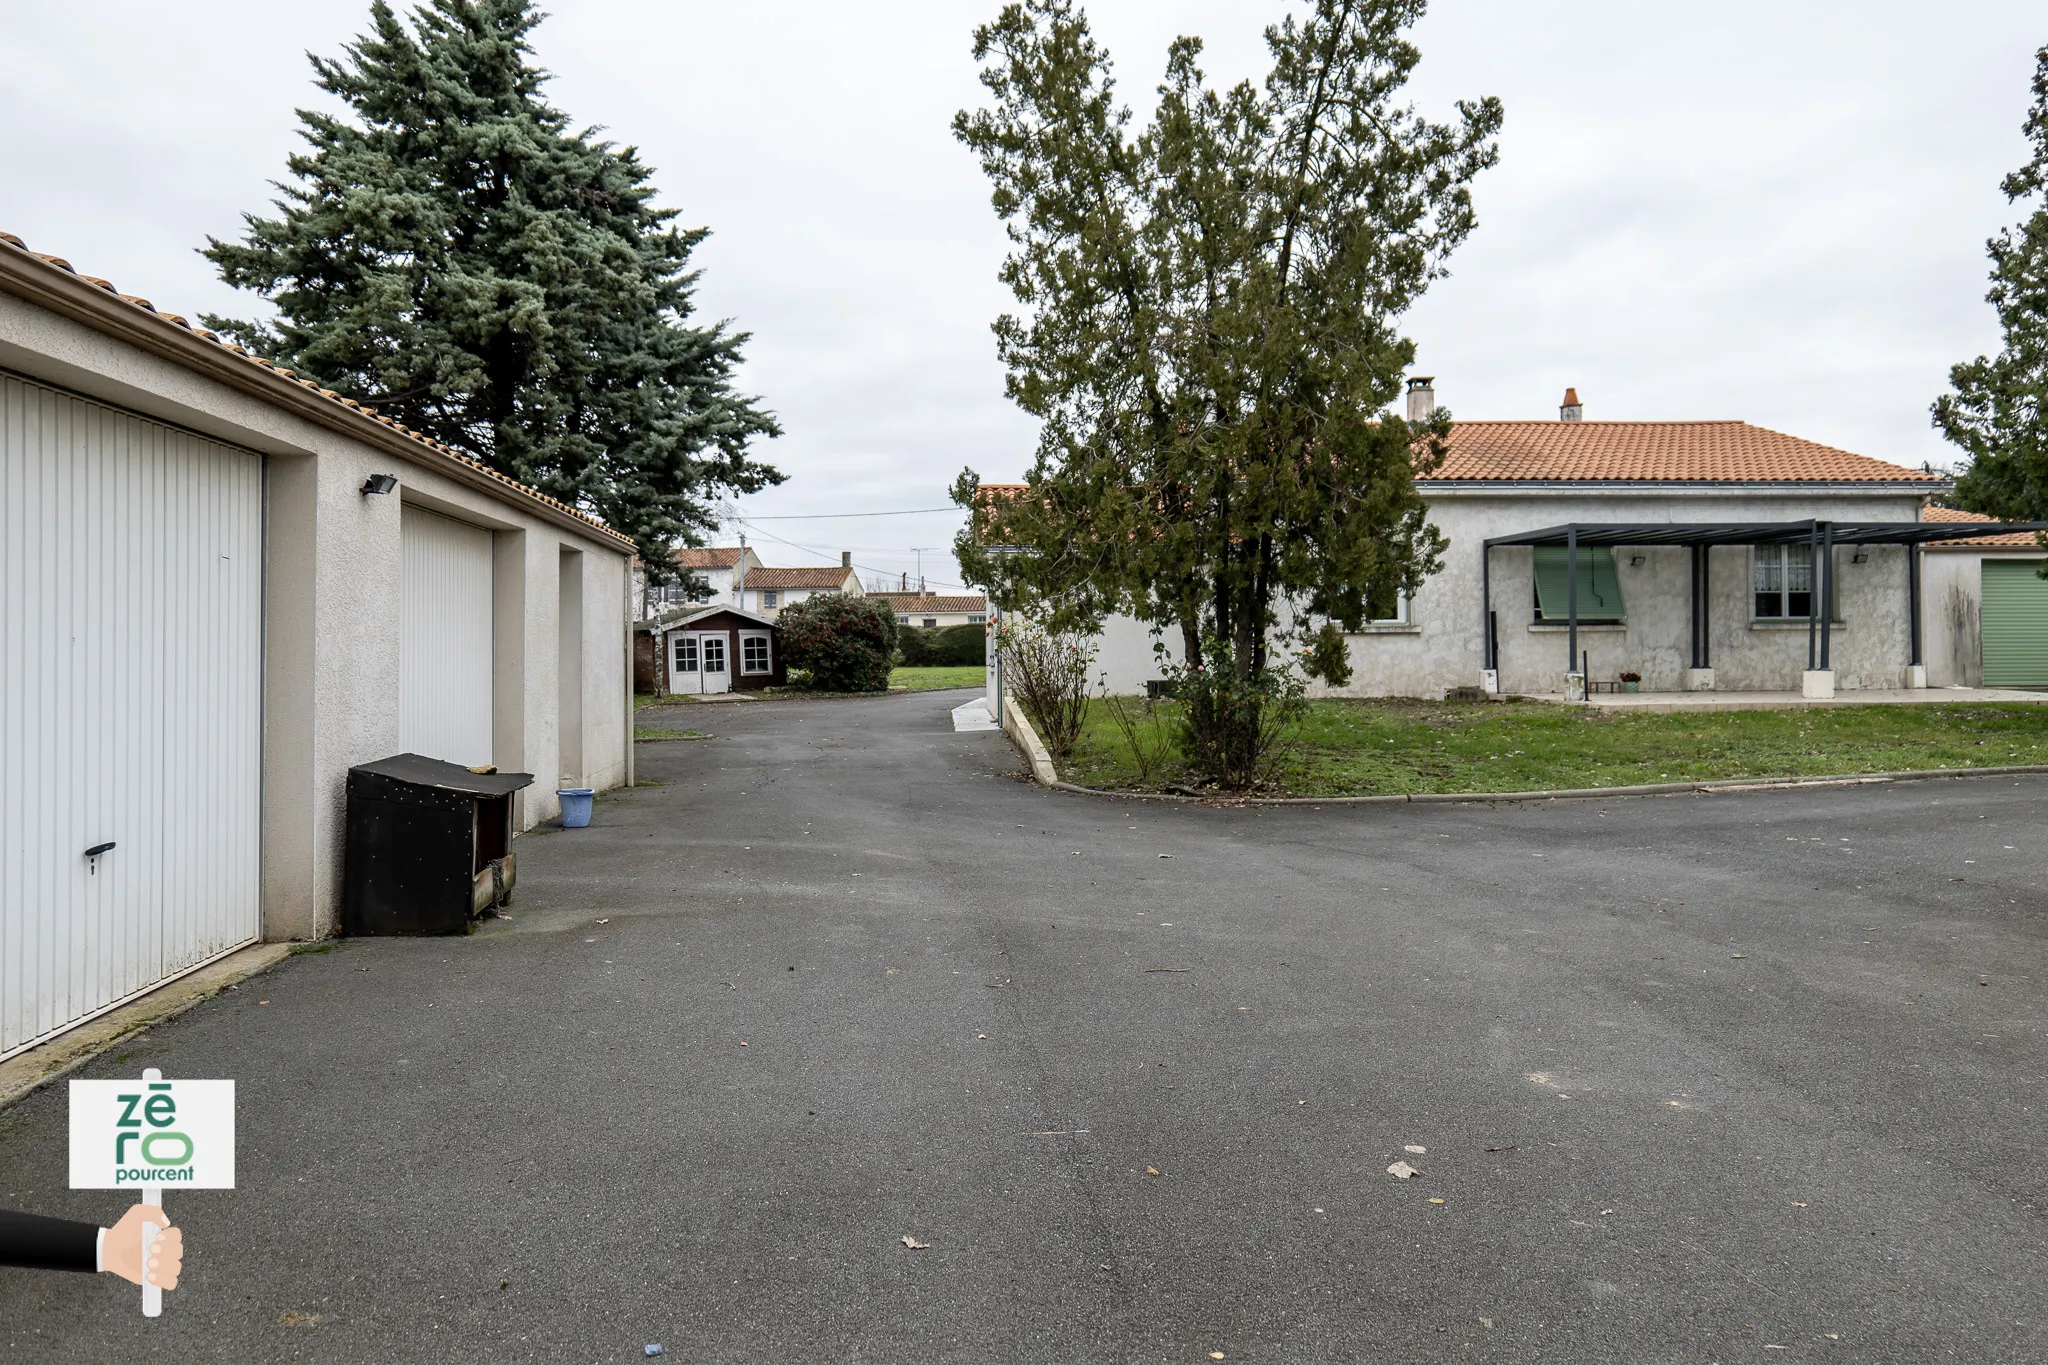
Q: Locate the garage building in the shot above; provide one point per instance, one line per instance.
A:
(221, 587)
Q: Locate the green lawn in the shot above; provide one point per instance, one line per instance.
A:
(1362, 748)
(656, 732)
(932, 679)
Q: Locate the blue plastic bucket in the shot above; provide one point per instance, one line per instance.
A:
(575, 806)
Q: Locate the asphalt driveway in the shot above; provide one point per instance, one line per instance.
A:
(1687, 1079)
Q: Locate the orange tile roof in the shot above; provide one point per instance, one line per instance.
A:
(834, 577)
(173, 320)
(714, 557)
(2024, 539)
(911, 603)
(1652, 452)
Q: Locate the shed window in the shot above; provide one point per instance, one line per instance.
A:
(754, 654)
(686, 653)
(1784, 581)
(1599, 588)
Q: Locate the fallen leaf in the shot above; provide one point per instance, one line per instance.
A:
(981, 1035)
(1171, 969)
(1797, 1205)
(1418, 1151)
(1401, 1170)
(1215, 1355)
(996, 985)
(604, 921)
(742, 1044)
(1166, 855)
(1509, 1148)
(916, 1245)
(1151, 1170)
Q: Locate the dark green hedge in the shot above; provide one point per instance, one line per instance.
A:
(942, 647)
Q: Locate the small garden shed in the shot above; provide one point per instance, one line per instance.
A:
(721, 649)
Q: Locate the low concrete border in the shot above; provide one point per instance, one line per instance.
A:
(1728, 784)
(1018, 728)
(27, 1072)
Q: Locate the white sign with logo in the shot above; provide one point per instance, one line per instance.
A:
(149, 1134)
(177, 1134)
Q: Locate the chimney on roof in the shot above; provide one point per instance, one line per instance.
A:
(1421, 399)
(846, 559)
(1571, 410)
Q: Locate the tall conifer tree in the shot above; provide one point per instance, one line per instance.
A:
(1998, 412)
(453, 254)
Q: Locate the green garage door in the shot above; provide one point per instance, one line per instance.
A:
(2015, 624)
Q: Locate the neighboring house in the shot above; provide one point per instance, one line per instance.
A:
(770, 589)
(718, 566)
(1986, 608)
(1695, 554)
(234, 585)
(721, 649)
(929, 611)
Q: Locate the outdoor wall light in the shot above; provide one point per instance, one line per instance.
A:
(1635, 561)
(379, 483)
(1860, 557)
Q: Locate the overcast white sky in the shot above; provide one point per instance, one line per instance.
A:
(1767, 211)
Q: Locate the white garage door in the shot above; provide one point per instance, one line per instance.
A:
(444, 647)
(131, 612)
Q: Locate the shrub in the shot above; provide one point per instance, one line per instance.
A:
(845, 643)
(941, 647)
(1048, 674)
(1232, 724)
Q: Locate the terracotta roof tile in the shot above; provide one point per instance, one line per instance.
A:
(833, 577)
(2020, 538)
(1653, 452)
(143, 305)
(910, 603)
(714, 557)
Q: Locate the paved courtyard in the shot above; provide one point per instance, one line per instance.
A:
(1686, 1079)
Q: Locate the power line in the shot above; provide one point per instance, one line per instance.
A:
(829, 516)
(827, 555)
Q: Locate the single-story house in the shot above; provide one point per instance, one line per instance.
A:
(224, 587)
(1986, 608)
(719, 566)
(721, 649)
(1689, 553)
(930, 611)
(768, 590)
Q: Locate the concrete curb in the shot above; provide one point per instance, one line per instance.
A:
(25, 1073)
(1727, 784)
(1018, 728)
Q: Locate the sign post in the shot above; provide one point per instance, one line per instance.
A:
(147, 1134)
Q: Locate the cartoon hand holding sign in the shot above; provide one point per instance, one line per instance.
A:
(148, 1134)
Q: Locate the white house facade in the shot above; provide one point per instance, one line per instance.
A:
(224, 588)
(1702, 551)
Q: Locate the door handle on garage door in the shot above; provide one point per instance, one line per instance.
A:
(92, 856)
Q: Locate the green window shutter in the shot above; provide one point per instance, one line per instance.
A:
(1599, 586)
(2014, 620)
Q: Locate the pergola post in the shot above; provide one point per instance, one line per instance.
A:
(1916, 667)
(1818, 683)
(1700, 676)
(1486, 607)
(1571, 614)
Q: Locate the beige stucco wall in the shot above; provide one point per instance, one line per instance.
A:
(1440, 646)
(331, 627)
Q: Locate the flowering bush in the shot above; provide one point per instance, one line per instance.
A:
(1048, 673)
(846, 644)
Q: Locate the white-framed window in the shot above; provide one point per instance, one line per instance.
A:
(902, 620)
(1782, 577)
(769, 599)
(1400, 616)
(754, 652)
(685, 653)
(976, 619)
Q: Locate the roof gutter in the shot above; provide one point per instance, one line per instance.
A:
(27, 276)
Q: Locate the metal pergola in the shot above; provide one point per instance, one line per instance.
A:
(1700, 536)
